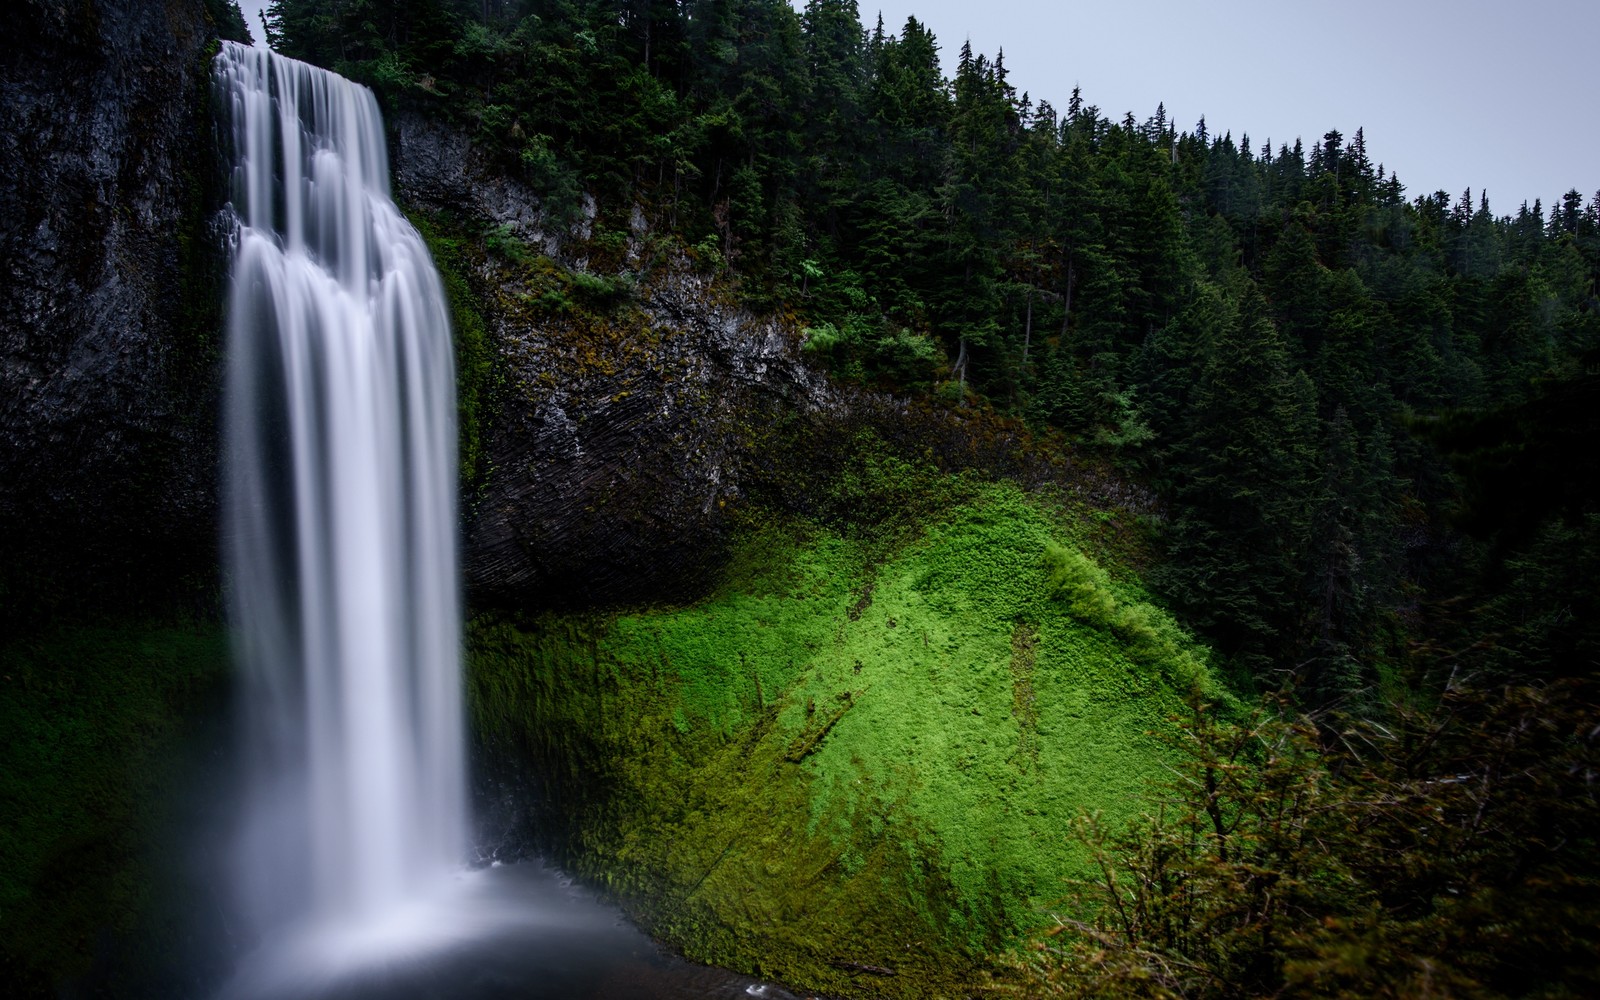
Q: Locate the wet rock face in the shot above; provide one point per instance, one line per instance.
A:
(109, 295)
(621, 445)
(436, 168)
(615, 455)
(616, 483)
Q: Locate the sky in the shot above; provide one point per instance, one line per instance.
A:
(252, 16)
(1496, 96)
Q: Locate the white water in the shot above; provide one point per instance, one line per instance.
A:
(341, 516)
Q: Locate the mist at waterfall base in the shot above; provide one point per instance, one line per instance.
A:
(350, 875)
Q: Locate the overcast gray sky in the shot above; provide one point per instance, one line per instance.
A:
(1493, 95)
(252, 16)
(1496, 95)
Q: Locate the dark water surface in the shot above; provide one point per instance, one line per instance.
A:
(516, 931)
(521, 930)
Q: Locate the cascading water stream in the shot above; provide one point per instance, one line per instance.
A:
(340, 479)
(341, 517)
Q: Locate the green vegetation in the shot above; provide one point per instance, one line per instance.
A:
(227, 20)
(476, 375)
(1254, 331)
(1262, 874)
(92, 717)
(892, 738)
(1367, 419)
(900, 729)
(860, 750)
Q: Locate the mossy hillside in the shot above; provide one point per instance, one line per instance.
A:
(92, 718)
(862, 751)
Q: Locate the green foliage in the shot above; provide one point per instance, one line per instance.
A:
(228, 20)
(1113, 280)
(900, 708)
(1450, 852)
(1147, 636)
(1547, 616)
(880, 351)
(503, 240)
(559, 185)
(387, 73)
(1123, 427)
(552, 288)
(1197, 898)
(599, 290)
(1256, 334)
(708, 254)
(1084, 587)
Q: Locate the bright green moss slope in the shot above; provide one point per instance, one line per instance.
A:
(862, 752)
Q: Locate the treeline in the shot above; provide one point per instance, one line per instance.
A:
(1275, 336)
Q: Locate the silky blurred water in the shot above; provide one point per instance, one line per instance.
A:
(516, 931)
(349, 871)
(340, 517)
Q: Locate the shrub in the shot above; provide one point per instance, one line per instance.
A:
(867, 348)
(1085, 588)
(1448, 852)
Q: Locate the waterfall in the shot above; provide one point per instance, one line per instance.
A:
(340, 480)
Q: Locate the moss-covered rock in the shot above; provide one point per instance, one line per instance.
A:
(853, 764)
(811, 676)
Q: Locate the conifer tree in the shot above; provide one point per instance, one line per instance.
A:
(1243, 482)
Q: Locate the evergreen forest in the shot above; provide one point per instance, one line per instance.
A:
(1367, 416)
(1355, 403)
(920, 538)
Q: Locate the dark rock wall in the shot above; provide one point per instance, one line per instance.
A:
(619, 442)
(617, 446)
(623, 441)
(613, 485)
(110, 288)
